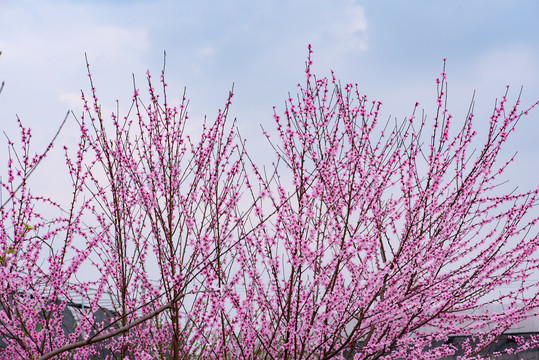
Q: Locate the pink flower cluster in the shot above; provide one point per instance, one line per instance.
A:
(364, 239)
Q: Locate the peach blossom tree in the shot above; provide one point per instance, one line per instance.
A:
(363, 239)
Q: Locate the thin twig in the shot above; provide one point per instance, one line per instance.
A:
(37, 163)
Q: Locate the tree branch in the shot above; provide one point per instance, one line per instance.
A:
(121, 330)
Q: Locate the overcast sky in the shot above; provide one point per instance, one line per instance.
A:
(394, 50)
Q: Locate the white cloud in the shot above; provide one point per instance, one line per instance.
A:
(71, 100)
(63, 31)
(43, 46)
(350, 31)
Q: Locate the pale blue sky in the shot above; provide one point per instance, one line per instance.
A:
(392, 49)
